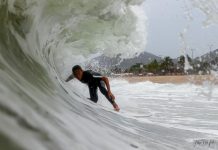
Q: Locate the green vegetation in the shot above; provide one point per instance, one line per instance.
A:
(168, 66)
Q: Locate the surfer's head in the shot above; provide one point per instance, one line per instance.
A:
(77, 72)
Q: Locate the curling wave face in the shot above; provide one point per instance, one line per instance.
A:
(36, 111)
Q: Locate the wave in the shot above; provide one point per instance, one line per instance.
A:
(38, 40)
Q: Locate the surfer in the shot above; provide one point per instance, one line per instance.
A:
(94, 80)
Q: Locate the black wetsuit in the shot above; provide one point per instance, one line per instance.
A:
(94, 81)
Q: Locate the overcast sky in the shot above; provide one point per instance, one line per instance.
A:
(167, 19)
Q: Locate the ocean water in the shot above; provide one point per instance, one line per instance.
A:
(40, 40)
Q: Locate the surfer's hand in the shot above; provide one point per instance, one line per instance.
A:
(116, 107)
(111, 95)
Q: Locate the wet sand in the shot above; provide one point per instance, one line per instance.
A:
(195, 79)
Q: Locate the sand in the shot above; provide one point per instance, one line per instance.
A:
(195, 79)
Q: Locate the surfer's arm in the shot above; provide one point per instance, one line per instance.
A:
(69, 78)
(106, 81)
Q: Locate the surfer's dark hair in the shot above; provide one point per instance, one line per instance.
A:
(77, 67)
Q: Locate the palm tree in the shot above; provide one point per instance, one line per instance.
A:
(153, 67)
(167, 65)
(181, 63)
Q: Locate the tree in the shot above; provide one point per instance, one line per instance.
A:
(153, 67)
(181, 64)
(167, 65)
(135, 68)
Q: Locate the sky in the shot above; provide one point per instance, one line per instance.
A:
(167, 19)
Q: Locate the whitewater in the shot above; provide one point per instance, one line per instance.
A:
(40, 40)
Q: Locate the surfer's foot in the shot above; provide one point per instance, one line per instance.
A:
(116, 107)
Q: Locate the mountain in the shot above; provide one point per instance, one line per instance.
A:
(211, 57)
(117, 62)
(143, 58)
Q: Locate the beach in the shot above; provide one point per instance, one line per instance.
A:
(175, 79)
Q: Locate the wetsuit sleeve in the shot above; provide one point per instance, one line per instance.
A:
(96, 77)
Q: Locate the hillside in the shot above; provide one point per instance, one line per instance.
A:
(211, 57)
(107, 62)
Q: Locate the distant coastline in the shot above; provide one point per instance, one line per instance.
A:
(175, 79)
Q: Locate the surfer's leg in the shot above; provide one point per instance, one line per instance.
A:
(105, 92)
(93, 93)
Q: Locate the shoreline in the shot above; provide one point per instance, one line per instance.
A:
(175, 79)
